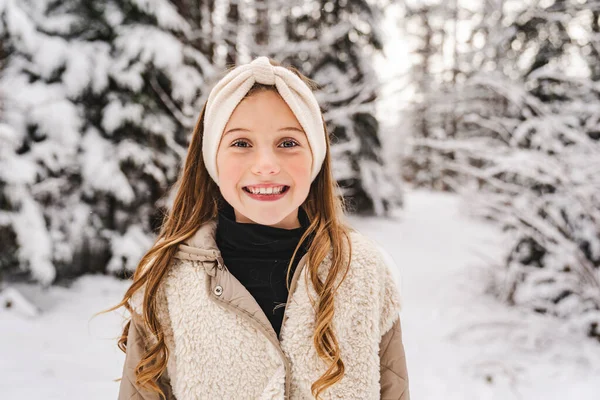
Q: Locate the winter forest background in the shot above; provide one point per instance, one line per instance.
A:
(493, 103)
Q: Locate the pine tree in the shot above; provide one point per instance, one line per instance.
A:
(424, 23)
(529, 143)
(101, 96)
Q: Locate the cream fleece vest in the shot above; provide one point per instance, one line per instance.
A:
(221, 350)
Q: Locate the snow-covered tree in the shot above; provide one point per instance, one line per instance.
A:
(98, 99)
(528, 140)
(535, 169)
(445, 40)
(424, 24)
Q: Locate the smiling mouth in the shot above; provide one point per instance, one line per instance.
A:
(285, 189)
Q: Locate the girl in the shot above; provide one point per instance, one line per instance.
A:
(255, 287)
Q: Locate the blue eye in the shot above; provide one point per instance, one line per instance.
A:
(291, 141)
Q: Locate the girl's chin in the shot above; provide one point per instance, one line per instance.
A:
(267, 216)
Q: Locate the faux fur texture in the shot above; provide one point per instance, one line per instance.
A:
(219, 354)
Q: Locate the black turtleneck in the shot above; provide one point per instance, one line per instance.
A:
(258, 256)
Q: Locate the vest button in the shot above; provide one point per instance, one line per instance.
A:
(218, 290)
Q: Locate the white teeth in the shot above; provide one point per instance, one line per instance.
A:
(271, 190)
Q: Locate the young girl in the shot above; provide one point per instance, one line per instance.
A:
(255, 287)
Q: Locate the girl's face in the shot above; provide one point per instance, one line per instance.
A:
(264, 146)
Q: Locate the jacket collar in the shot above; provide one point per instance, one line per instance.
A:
(202, 246)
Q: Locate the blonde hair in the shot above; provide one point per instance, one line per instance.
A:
(197, 202)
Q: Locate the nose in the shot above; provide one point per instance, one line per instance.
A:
(265, 163)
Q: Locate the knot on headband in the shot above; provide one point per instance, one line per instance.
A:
(234, 86)
(263, 71)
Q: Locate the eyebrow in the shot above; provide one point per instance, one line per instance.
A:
(288, 128)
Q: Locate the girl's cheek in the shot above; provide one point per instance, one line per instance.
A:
(300, 173)
(302, 164)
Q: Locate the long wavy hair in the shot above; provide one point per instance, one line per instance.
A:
(196, 202)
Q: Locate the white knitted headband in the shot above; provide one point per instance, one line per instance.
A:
(232, 88)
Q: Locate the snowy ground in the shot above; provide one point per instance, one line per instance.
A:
(460, 344)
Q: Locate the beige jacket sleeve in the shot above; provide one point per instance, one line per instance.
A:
(394, 374)
(136, 347)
